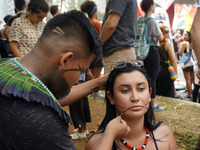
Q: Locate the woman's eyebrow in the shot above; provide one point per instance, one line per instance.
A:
(127, 85)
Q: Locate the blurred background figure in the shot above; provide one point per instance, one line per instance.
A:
(165, 87)
(152, 61)
(188, 71)
(20, 6)
(90, 9)
(4, 46)
(80, 111)
(54, 10)
(26, 29)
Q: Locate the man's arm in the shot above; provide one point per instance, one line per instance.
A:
(82, 90)
(195, 35)
(109, 26)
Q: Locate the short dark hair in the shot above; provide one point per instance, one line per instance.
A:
(73, 25)
(19, 4)
(53, 9)
(88, 7)
(146, 4)
(6, 18)
(37, 6)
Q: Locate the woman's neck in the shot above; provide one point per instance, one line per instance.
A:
(136, 126)
(148, 14)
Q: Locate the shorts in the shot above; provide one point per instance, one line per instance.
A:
(122, 54)
(189, 69)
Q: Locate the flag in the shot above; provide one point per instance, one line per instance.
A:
(188, 22)
(164, 3)
(192, 11)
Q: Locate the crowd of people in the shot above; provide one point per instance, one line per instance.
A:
(58, 63)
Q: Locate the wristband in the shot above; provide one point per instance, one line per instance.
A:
(197, 2)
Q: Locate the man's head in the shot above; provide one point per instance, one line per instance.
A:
(54, 10)
(68, 43)
(20, 5)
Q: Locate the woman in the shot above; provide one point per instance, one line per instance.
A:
(166, 51)
(128, 95)
(154, 35)
(90, 8)
(188, 71)
(26, 29)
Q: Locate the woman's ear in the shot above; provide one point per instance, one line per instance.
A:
(110, 97)
(150, 91)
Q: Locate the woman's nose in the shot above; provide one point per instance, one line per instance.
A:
(134, 96)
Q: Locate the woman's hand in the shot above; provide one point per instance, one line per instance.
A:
(118, 128)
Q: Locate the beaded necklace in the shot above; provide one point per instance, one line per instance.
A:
(133, 148)
(34, 77)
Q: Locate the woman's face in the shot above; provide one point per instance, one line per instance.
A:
(166, 33)
(35, 18)
(186, 36)
(153, 7)
(131, 91)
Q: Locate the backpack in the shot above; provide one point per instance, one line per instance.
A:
(141, 45)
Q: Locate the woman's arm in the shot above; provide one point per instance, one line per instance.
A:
(14, 49)
(170, 50)
(183, 46)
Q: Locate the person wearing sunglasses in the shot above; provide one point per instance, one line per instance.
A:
(166, 52)
(129, 121)
(31, 87)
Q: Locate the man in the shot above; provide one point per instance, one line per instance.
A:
(118, 31)
(54, 10)
(30, 115)
(20, 6)
(195, 35)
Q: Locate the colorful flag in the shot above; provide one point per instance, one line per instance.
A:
(192, 11)
(188, 22)
(164, 3)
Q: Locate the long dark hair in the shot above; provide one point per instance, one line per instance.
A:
(149, 119)
(190, 40)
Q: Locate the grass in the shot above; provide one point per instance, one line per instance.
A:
(181, 116)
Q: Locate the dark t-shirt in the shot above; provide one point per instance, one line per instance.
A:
(30, 125)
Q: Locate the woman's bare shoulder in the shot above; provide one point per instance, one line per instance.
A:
(93, 140)
(163, 132)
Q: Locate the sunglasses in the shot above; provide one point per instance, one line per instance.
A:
(166, 32)
(121, 64)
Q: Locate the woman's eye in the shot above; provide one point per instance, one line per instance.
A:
(140, 89)
(125, 91)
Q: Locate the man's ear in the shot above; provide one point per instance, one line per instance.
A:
(65, 58)
(110, 97)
